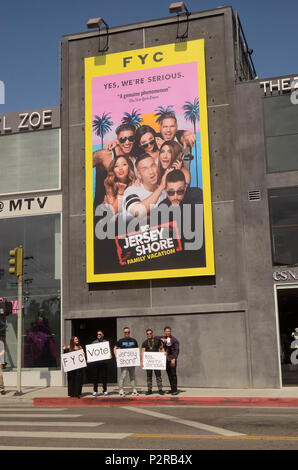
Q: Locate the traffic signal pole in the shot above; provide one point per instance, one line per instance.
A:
(20, 334)
(16, 262)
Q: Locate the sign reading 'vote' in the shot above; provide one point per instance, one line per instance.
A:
(98, 351)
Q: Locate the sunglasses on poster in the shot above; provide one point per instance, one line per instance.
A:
(172, 192)
(131, 138)
(144, 146)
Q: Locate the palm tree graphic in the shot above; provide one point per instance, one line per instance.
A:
(192, 114)
(161, 111)
(102, 125)
(133, 118)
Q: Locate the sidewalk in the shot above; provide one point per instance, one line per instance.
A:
(57, 396)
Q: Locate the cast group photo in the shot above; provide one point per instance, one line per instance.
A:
(154, 354)
(137, 176)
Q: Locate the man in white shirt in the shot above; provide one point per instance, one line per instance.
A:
(138, 200)
(2, 362)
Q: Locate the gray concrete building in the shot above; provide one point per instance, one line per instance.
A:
(234, 326)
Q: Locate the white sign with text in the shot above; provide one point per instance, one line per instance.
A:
(73, 360)
(154, 361)
(98, 351)
(129, 357)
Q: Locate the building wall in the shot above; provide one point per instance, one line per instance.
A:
(225, 323)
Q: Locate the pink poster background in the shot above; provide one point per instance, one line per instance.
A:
(117, 94)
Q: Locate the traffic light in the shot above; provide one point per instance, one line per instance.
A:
(16, 262)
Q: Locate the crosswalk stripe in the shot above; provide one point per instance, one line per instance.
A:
(64, 435)
(30, 408)
(49, 423)
(36, 415)
(186, 422)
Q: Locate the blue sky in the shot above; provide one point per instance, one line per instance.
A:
(30, 33)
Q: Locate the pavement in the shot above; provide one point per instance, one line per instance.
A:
(57, 396)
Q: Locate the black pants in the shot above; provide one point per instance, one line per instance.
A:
(75, 382)
(100, 374)
(158, 379)
(172, 375)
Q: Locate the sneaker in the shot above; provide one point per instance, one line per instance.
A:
(161, 392)
(121, 393)
(94, 394)
(3, 392)
(135, 393)
(174, 393)
(149, 392)
(105, 394)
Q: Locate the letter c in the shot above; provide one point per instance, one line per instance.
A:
(155, 56)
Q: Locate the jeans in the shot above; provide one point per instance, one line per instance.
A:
(158, 379)
(131, 371)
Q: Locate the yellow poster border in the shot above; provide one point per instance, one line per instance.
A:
(112, 64)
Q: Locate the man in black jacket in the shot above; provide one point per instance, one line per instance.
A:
(171, 345)
(100, 369)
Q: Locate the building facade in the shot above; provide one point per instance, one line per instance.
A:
(234, 324)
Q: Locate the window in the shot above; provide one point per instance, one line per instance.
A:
(30, 162)
(283, 205)
(41, 238)
(281, 130)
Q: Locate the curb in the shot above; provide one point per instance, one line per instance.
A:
(175, 401)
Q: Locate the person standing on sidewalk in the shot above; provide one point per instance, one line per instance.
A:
(2, 362)
(124, 343)
(171, 345)
(152, 345)
(100, 369)
(75, 377)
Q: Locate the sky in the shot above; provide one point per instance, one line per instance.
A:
(30, 33)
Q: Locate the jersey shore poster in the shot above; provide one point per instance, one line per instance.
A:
(148, 196)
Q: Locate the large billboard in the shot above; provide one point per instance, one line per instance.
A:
(148, 196)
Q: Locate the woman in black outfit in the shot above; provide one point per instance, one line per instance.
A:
(74, 377)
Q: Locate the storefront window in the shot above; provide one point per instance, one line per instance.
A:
(41, 239)
(281, 130)
(31, 161)
(283, 205)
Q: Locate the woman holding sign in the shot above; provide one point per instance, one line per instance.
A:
(74, 377)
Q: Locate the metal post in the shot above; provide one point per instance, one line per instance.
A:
(20, 334)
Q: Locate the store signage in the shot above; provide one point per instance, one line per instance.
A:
(280, 85)
(286, 275)
(28, 121)
(30, 205)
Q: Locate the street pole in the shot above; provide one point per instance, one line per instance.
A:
(20, 334)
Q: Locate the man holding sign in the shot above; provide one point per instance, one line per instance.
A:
(127, 356)
(99, 354)
(152, 345)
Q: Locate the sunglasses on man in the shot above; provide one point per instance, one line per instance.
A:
(144, 146)
(172, 192)
(131, 138)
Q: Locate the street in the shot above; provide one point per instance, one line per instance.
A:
(138, 428)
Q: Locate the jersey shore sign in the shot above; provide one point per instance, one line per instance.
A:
(143, 219)
(129, 357)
